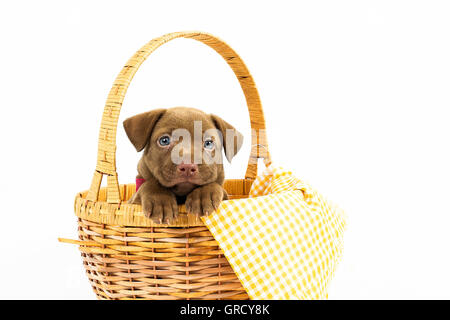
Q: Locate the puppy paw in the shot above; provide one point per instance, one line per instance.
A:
(205, 199)
(160, 207)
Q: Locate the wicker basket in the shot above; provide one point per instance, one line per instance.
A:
(126, 255)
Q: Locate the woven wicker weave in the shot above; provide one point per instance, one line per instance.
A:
(126, 255)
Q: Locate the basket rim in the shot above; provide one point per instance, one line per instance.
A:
(131, 215)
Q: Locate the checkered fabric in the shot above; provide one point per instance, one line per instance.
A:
(284, 241)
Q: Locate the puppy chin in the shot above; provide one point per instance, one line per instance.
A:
(176, 182)
(183, 188)
(182, 181)
(197, 180)
(185, 182)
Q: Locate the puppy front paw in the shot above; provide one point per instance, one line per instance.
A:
(160, 207)
(205, 199)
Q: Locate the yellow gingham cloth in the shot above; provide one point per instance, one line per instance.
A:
(284, 241)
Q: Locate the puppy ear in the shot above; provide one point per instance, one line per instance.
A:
(232, 139)
(140, 127)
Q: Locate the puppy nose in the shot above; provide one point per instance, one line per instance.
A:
(187, 169)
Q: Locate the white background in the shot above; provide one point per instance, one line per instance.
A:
(356, 98)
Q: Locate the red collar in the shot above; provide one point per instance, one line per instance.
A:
(139, 182)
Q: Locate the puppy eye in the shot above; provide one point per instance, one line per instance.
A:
(164, 141)
(208, 144)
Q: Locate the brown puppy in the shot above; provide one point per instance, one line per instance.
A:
(182, 160)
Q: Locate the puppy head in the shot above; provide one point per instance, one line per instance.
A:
(183, 146)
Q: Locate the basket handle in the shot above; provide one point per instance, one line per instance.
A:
(106, 156)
